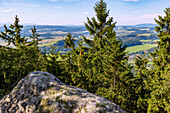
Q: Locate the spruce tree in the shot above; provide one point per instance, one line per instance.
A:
(160, 79)
(17, 62)
(108, 71)
(13, 34)
(140, 84)
(34, 37)
(69, 42)
(69, 58)
(99, 28)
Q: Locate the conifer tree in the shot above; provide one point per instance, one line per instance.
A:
(69, 42)
(69, 58)
(17, 62)
(99, 28)
(108, 70)
(34, 37)
(140, 84)
(160, 79)
(13, 34)
(104, 41)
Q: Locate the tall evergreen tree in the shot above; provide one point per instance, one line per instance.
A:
(107, 57)
(17, 62)
(34, 37)
(140, 84)
(99, 28)
(69, 42)
(160, 79)
(13, 34)
(105, 44)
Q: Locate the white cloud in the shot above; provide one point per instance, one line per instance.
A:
(130, 19)
(149, 15)
(58, 7)
(22, 4)
(64, 0)
(53, 0)
(29, 5)
(85, 13)
(5, 3)
(7, 10)
(131, 0)
(72, 0)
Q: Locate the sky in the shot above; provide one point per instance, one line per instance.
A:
(75, 12)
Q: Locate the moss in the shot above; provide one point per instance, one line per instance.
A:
(48, 79)
(41, 110)
(82, 109)
(65, 104)
(57, 99)
(85, 109)
(42, 79)
(100, 105)
(44, 102)
(46, 107)
(26, 78)
(43, 107)
(45, 74)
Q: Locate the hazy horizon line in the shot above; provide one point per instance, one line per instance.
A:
(27, 24)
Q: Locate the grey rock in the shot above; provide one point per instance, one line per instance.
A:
(41, 92)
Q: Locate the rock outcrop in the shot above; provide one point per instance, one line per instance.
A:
(42, 92)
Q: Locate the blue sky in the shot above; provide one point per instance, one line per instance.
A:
(75, 12)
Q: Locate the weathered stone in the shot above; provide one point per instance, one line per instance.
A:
(42, 92)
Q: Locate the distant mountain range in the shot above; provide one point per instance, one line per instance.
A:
(145, 25)
(138, 25)
(131, 35)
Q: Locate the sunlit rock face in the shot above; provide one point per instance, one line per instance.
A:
(41, 92)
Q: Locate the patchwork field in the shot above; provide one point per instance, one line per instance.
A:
(137, 38)
(137, 48)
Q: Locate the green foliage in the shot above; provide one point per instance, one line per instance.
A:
(69, 41)
(13, 35)
(16, 63)
(102, 68)
(160, 79)
(34, 37)
(56, 66)
(140, 84)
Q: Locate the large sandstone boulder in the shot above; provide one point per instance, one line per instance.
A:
(42, 92)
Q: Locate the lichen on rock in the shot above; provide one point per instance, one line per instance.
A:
(41, 92)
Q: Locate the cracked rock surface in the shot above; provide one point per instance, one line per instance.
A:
(41, 92)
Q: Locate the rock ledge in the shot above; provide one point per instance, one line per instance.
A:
(41, 92)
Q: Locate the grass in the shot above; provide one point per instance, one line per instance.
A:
(59, 32)
(48, 44)
(146, 34)
(140, 48)
(149, 40)
(155, 40)
(145, 40)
